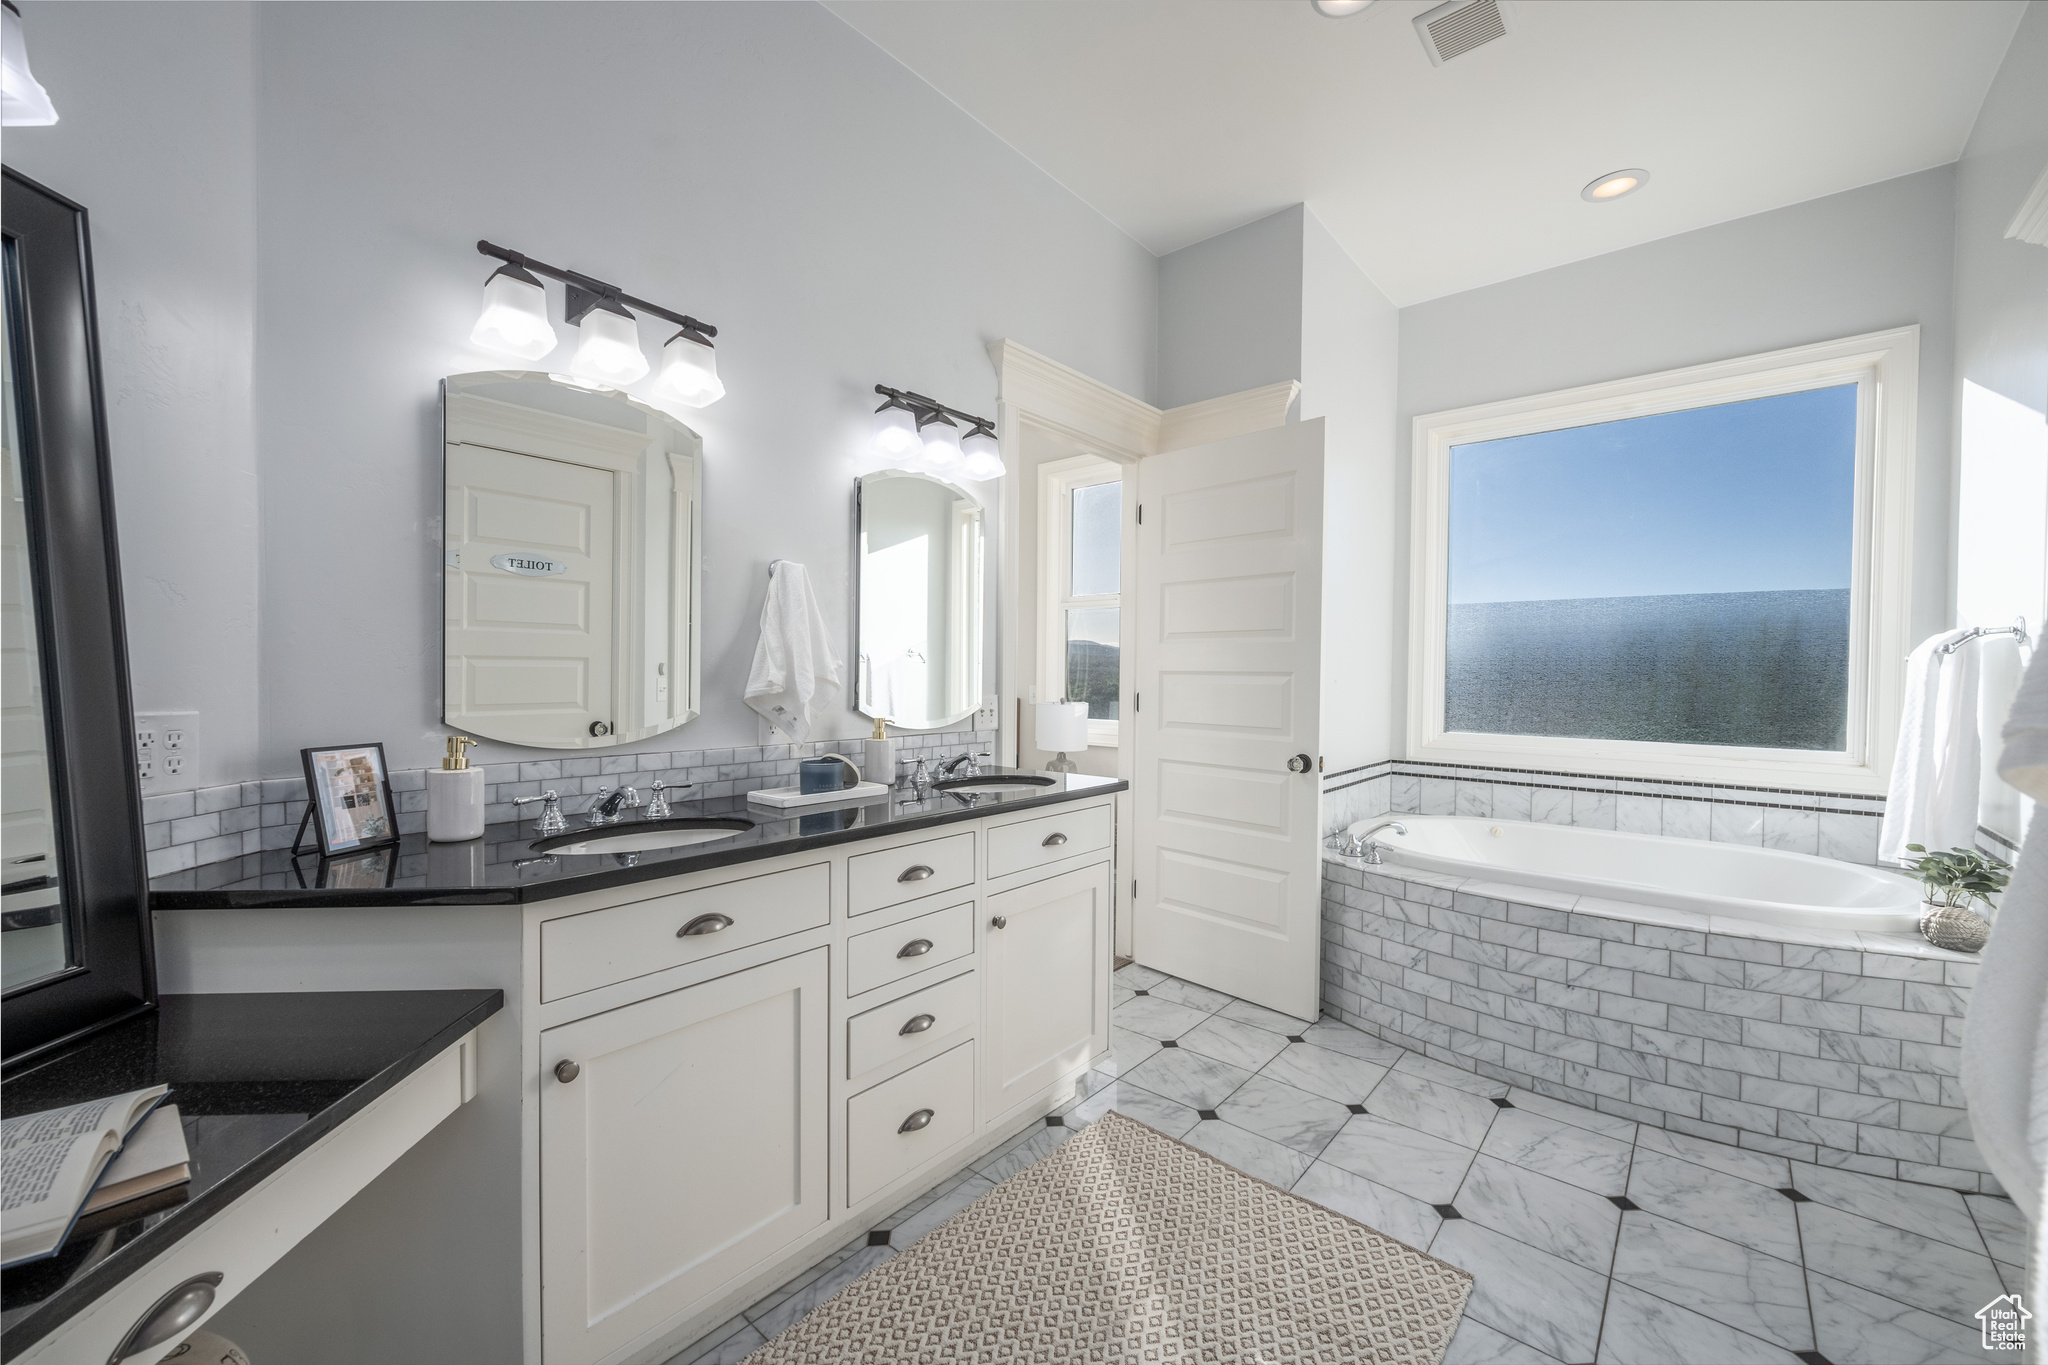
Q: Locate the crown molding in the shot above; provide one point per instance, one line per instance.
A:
(1234, 414)
(1048, 390)
(2030, 224)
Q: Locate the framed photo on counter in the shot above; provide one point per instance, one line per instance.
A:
(349, 791)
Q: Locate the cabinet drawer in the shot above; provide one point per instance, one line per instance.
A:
(879, 1150)
(884, 1034)
(881, 956)
(598, 947)
(1048, 839)
(875, 881)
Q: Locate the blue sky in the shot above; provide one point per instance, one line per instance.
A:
(1753, 496)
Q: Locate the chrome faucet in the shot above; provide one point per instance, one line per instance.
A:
(920, 777)
(609, 806)
(657, 804)
(952, 765)
(550, 820)
(1364, 847)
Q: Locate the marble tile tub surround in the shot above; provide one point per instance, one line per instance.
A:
(190, 828)
(1824, 823)
(1590, 1236)
(1840, 1048)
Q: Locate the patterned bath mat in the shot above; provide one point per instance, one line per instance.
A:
(1125, 1247)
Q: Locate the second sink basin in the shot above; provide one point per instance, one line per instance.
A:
(994, 782)
(642, 835)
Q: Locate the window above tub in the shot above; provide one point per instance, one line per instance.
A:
(1701, 573)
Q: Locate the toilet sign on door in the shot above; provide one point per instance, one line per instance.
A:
(529, 566)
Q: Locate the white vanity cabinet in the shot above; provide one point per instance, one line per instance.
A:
(719, 1101)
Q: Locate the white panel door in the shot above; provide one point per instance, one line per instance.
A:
(688, 1146)
(529, 646)
(1229, 645)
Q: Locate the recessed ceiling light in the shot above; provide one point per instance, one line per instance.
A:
(1615, 184)
(1339, 9)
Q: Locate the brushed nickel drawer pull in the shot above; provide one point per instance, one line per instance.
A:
(170, 1316)
(921, 1119)
(999, 922)
(916, 874)
(567, 1071)
(917, 947)
(704, 924)
(917, 1025)
(1052, 840)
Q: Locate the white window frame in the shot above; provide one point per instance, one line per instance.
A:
(1885, 367)
(1057, 480)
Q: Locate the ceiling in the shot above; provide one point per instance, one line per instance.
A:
(1180, 119)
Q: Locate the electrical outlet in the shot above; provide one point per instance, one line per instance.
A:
(166, 745)
(145, 768)
(985, 718)
(173, 765)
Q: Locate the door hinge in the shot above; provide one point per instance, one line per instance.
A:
(1319, 762)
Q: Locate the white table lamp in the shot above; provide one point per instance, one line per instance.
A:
(1063, 728)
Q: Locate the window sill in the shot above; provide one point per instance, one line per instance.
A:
(1711, 764)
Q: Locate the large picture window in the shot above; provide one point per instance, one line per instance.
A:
(1081, 588)
(1686, 574)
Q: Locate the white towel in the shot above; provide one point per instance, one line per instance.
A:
(1933, 797)
(795, 674)
(2005, 1046)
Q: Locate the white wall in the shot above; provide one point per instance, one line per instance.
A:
(1880, 256)
(2001, 319)
(1349, 350)
(155, 138)
(1230, 311)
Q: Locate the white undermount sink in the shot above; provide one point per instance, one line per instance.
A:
(994, 782)
(638, 839)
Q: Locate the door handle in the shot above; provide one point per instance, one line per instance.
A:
(999, 922)
(917, 947)
(1052, 841)
(704, 924)
(915, 874)
(567, 1071)
(917, 1025)
(921, 1119)
(1300, 763)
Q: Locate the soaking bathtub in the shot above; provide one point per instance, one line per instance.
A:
(1761, 885)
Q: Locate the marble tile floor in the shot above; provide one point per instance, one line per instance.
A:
(1591, 1238)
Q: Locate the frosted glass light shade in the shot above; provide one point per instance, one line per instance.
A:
(515, 317)
(1063, 726)
(23, 101)
(984, 458)
(609, 352)
(896, 435)
(689, 370)
(941, 444)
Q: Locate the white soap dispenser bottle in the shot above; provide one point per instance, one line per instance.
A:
(881, 755)
(455, 796)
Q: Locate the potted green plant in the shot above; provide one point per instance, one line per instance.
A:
(1952, 881)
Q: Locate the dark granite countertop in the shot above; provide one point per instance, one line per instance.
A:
(502, 868)
(257, 1080)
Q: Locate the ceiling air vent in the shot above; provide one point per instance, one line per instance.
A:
(1453, 29)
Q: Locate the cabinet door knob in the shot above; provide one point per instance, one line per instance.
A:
(917, 1025)
(567, 1071)
(999, 922)
(704, 924)
(917, 947)
(915, 874)
(922, 1118)
(1052, 841)
(170, 1316)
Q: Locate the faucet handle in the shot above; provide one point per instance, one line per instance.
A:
(550, 820)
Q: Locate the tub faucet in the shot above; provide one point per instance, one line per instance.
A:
(1362, 845)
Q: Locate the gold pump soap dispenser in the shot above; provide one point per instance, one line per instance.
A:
(880, 755)
(455, 796)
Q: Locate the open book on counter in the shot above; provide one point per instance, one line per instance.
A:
(62, 1163)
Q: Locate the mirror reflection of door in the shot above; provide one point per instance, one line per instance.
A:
(920, 600)
(33, 936)
(570, 565)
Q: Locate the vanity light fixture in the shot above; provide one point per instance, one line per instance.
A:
(23, 101)
(1615, 184)
(984, 455)
(1340, 9)
(921, 433)
(608, 354)
(515, 316)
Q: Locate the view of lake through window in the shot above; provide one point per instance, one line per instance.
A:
(1094, 570)
(1680, 578)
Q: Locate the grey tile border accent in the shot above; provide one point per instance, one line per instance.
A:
(183, 830)
(1839, 1053)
